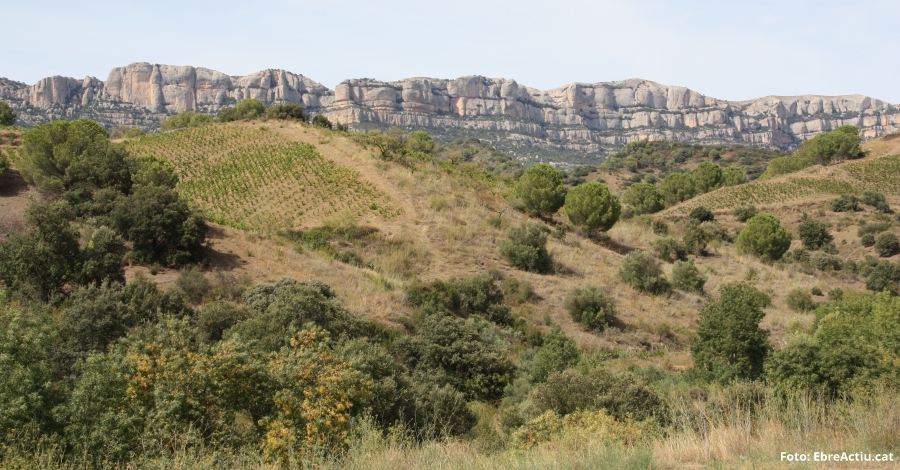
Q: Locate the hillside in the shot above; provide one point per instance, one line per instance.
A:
(407, 339)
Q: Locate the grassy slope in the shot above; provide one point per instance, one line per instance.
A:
(442, 228)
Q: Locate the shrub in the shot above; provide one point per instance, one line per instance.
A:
(641, 271)
(835, 294)
(287, 112)
(687, 277)
(7, 115)
(420, 141)
(702, 214)
(659, 227)
(733, 176)
(218, 316)
(459, 353)
(764, 236)
(668, 249)
(745, 213)
(319, 120)
(816, 291)
(873, 228)
(677, 187)
(867, 240)
(708, 176)
(185, 119)
(592, 207)
(800, 255)
(845, 203)
(877, 200)
(161, 227)
(193, 284)
(644, 198)
(698, 235)
(887, 244)
(542, 190)
(836, 145)
(813, 233)
(800, 300)
(621, 396)
(556, 354)
(825, 262)
(883, 275)
(785, 165)
(590, 307)
(729, 344)
(526, 247)
(246, 109)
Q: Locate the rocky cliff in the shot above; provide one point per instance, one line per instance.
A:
(574, 122)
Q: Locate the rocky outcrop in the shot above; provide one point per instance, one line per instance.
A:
(142, 94)
(587, 119)
(599, 117)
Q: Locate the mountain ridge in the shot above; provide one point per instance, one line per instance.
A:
(580, 120)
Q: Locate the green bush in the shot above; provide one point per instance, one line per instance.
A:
(622, 396)
(883, 275)
(678, 187)
(785, 165)
(246, 109)
(641, 271)
(764, 236)
(592, 207)
(644, 198)
(319, 120)
(286, 112)
(460, 353)
(668, 249)
(826, 262)
(216, 317)
(542, 190)
(161, 227)
(557, 353)
(836, 294)
(687, 277)
(800, 300)
(697, 236)
(184, 120)
(733, 176)
(839, 144)
(887, 244)
(877, 200)
(708, 176)
(7, 115)
(526, 247)
(845, 203)
(194, 284)
(659, 227)
(701, 214)
(745, 213)
(729, 344)
(816, 291)
(867, 240)
(420, 141)
(813, 233)
(590, 307)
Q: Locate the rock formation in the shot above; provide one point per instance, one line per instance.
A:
(587, 119)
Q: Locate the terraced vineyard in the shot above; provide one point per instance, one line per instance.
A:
(872, 173)
(877, 173)
(252, 178)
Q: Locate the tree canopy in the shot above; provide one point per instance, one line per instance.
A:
(542, 189)
(764, 236)
(592, 207)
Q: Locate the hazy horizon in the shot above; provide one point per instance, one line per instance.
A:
(727, 51)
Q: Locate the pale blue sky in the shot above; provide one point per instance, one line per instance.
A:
(727, 49)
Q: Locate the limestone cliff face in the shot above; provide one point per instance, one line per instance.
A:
(584, 118)
(597, 117)
(142, 94)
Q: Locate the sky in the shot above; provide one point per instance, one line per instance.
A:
(731, 50)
